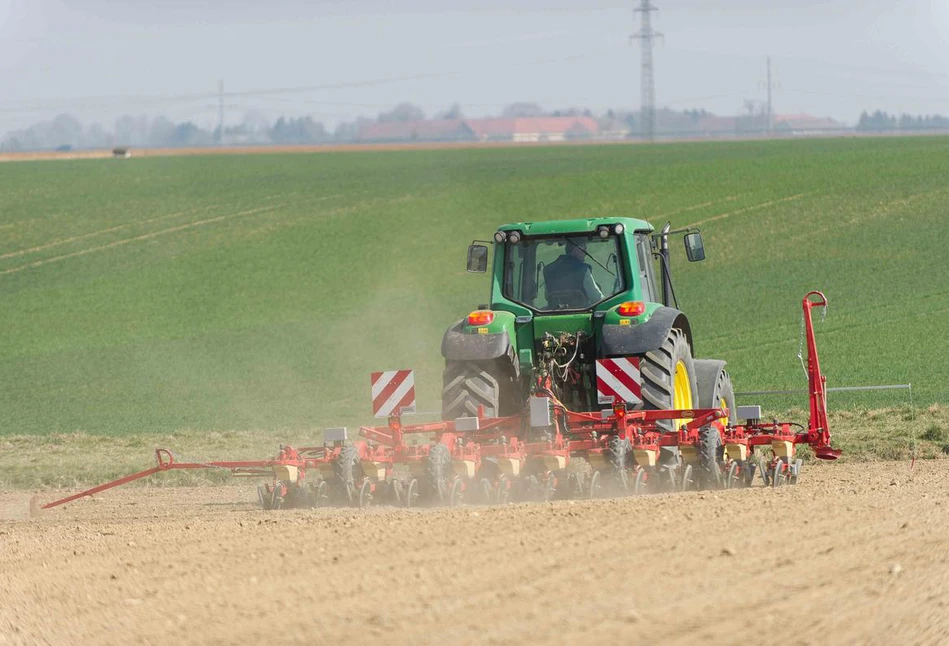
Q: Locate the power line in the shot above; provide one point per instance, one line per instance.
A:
(646, 36)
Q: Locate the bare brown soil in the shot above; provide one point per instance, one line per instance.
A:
(857, 553)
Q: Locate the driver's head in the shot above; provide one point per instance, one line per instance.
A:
(576, 247)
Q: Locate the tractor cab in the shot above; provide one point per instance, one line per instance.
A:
(563, 272)
(566, 294)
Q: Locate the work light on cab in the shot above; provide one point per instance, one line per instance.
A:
(500, 237)
(480, 318)
(631, 308)
(514, 237)
(603, 231)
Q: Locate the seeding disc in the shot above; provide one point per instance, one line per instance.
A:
(594, 488)
(411, 493)
(365, 494)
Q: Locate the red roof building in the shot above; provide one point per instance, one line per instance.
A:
(526, 130)
(533, 129)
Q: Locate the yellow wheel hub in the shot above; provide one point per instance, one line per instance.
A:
(681, 391)
(722, 404)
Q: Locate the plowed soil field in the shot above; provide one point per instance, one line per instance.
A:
(856, 554)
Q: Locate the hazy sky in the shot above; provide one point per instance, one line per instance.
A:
(101, 58)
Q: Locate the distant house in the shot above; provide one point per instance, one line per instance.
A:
(533, 130)
(612, 128)
(521, 130)
(421, 131)
(805, 124)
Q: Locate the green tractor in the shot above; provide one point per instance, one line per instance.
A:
(564, 295)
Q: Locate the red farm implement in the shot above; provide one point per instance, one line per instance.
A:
(543, 452)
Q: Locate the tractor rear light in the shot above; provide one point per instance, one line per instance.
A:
(619, 410)
(479, 318)
(631, 308)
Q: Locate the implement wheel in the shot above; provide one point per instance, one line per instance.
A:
(457, 490)
(411, 493)
(437, 471)
(594, 489)
(348, 470)
(316, 494)
(711, 454)
(503, 494)
(486, 491)
(264, 497)
(469, 385)
(669, 378)
(639, 482)
(688, 482)
(365, 494)
(732, 481)
(397, 491)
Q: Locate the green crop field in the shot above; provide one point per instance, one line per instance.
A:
(229, 294)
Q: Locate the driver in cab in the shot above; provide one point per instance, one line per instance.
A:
(569, 279)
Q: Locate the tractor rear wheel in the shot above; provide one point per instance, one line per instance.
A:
(715, 391)
(469, 385)
(668, 375)
(715, 388)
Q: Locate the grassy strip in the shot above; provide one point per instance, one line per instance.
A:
(83, 460)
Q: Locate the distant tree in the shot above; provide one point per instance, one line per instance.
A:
(349, 130)
(300, 130)
(402, 112)
(188, 134)
(161, 132)
(255, 123)
(454, 112)
(755, 118)
(96, 136)
(876, 122)
(65, 130)
(522, 110)
(131, 131)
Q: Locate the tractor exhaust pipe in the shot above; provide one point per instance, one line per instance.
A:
(667, 296)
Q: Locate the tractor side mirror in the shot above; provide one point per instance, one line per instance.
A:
(477, 258)
(694, 248)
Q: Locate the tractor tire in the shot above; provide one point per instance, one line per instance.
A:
(658, 368)
(348, 469)
(715, 388)
(468, 385)
(715, 391)
(710, 455)
(437, 472)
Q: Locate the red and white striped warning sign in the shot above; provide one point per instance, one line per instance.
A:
(393, 391)
(619, 380)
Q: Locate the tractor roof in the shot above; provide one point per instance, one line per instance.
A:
(554, 227)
